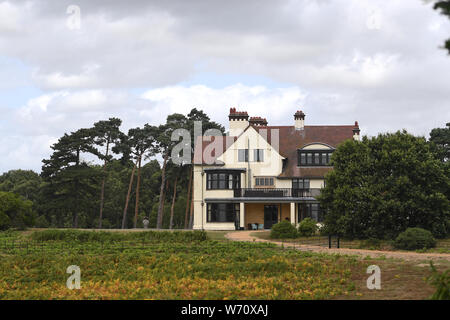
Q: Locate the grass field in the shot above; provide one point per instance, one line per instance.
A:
(187, 265)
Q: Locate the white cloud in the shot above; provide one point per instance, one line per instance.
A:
(273, 104)
(42, 120)
(374, 61)
(9, 17)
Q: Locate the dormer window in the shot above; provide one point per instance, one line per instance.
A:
(314, 158)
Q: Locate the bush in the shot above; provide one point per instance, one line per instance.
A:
(442, 283)
(283, 230)
(307, 227)
(41, 222)
(15, 212)
(105, 236)
(415, 238)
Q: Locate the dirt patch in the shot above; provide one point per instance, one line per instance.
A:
(409, 256)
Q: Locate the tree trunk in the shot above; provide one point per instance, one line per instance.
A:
(173, 202)
(186, 217)
(161, 193)
(124, 218)
(102, 193)
(77, 198)
(166, 189)
(136, 207)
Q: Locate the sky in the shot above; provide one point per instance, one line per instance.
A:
(67, 64)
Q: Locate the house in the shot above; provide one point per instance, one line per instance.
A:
(258, 175)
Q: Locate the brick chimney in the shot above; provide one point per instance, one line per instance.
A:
(299, 120)
(238, 121)
(258, 121)
(356, 131)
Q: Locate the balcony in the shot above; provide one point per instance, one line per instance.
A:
(275, 193)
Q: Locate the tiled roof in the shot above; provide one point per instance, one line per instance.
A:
(290, 140)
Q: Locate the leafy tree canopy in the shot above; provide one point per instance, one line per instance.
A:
(383, 185)
(441, 137)
(444, 7)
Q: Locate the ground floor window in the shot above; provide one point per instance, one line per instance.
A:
(310, 210)
(222, 212)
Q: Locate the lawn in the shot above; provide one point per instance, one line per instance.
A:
(188, 265)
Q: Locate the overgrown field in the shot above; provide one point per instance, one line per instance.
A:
(175, 265)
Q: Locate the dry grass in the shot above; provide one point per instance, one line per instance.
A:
(400, 280)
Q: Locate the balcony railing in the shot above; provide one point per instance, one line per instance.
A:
(275, 193)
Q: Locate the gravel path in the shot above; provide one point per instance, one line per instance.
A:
(411, 256)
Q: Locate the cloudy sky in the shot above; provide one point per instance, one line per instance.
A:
(377, 62)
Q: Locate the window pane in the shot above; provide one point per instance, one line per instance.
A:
(241, 155)
(303, 158)
(309, 158)
(306, 183)
(315, 211)
(316, 158)
(222, 181)
(308, 210)
(237, 181)
(266, 181)
(230, 217)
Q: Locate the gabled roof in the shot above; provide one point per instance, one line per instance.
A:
(290, 140)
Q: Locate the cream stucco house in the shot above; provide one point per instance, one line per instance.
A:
(258, 175)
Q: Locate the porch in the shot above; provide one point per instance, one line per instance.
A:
(264, 216)
(257, 213)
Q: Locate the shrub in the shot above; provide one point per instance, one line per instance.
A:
(41, 222)
(307, 227)
(442, 283)
(105, 236)
(15, 212)
(283, 230)
(415, 238)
